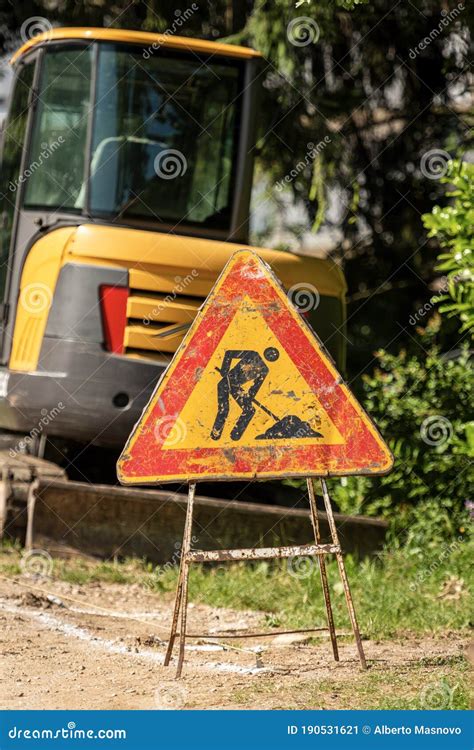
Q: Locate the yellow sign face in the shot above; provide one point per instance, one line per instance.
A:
(250, 393)
(283, 391)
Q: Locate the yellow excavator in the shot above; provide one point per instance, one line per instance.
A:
(126, 173)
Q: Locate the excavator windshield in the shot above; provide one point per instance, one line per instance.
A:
(136, 135)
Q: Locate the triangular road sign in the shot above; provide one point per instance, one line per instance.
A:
(251, 393)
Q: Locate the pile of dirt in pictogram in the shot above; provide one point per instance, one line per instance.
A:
(289, 427)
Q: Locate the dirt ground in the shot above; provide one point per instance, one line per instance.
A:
(101, 646)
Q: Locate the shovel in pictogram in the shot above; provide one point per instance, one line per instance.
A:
(289, 426)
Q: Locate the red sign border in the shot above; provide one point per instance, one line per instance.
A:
(364, 451)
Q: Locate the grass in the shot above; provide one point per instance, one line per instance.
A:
(416, 688)
(394, 593)
(386, 604)
(397, 595)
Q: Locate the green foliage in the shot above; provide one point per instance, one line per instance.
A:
(453, 225)
(421, 404)
(362, 80)
(394, 592)
(385, 104)
(398, 597)
(422, 401)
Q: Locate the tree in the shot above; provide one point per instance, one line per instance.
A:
(454, 227)
(390, 87)
(385, 84)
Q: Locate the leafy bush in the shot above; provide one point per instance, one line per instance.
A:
(453, 225)
(419, 402)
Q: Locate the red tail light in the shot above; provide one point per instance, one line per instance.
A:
(113, 305)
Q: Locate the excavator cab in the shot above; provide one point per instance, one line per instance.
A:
(125, 186)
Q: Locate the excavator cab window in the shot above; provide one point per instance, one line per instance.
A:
(164, 137)
(59, 139)
(124, 135)
(12, 155)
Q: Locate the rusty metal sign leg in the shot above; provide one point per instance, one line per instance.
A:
(174, 624)
(322, 568)
(181, 589)
(189, 556)
(182, 629)
(30, 513)
(185, 550)
(342, 573)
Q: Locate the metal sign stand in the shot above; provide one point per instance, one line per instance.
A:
(189, 556)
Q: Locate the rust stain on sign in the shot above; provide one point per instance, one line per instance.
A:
(251, 392)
